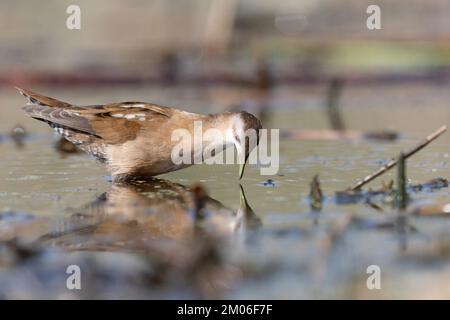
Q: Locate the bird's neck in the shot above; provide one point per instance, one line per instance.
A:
(216, 133)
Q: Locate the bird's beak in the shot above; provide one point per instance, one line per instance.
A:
(241, 165)
(241, 170)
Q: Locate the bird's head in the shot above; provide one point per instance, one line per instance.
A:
(245, 131)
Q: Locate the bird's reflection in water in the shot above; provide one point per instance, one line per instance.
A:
(135, 215)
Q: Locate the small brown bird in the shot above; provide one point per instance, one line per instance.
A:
(134, 139)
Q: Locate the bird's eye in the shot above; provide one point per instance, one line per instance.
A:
(237, 139)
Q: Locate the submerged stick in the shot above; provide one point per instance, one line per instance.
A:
(393, 162)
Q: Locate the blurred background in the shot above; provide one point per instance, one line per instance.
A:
(237, 53)
(136, 36)
(346, 99)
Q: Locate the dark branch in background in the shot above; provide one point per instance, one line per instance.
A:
(333, 110)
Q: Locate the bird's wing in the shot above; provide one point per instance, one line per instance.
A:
(115, 123)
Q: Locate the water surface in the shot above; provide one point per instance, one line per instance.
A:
(281, 249)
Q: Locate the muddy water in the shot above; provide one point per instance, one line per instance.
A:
(120, 235)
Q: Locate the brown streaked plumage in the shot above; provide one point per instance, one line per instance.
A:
(134, 139)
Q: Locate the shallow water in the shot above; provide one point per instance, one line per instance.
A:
(280, 250)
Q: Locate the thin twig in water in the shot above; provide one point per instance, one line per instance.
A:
(401, 182)
(393, 162)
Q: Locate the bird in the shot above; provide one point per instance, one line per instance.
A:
(134, 139)
(130, 214)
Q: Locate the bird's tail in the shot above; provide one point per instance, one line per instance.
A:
(37, 99)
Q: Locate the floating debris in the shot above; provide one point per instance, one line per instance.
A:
(433, 184)
(315, 194)
(386, 194)
(384, 135)
(393, 162)
(268, 183)
(18, 134)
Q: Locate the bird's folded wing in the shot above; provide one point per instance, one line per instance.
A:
(120, 122)
(115, 123)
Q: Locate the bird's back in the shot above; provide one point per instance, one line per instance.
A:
(133, 138)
